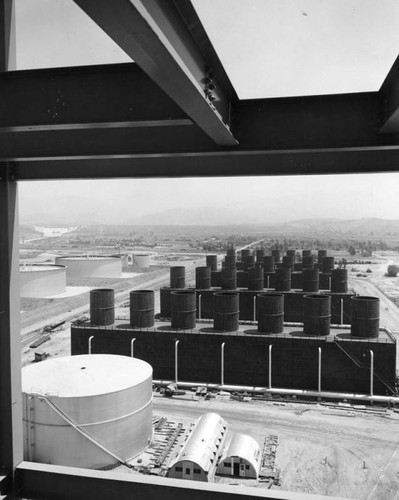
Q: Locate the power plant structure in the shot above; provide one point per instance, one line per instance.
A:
(42, 280)
(87, 411)
(311, 338)
(86, 266)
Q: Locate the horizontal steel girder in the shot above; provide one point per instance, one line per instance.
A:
(84, 97)
(153, 33)
(214, 164)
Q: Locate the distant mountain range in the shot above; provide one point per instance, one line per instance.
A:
(365, 228)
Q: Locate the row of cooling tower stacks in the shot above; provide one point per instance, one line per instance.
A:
(257, 278)
(270, 311)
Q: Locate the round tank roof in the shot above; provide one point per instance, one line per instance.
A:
(29, 268)
(84, 375)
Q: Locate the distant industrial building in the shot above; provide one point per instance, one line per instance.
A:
(87, 411)
(82, 266)
(42, 280)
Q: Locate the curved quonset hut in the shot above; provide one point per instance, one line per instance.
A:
(240, 458)
(87, 411)
(91, 267)
(196, 460)
(42, 280)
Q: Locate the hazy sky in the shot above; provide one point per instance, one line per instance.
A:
(266, 198)
(269, 47)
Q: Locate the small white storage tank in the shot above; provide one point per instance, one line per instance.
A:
(91, 267)
(141, 260)
(41, 280)
(87, 410)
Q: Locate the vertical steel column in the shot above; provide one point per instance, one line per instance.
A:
(270, 366)
(255, 309)
(222, 364)
(319, 373)
(90, 339)
(131, 348)
(342, 311)
(371, 372)
(11, 446)
(176, 359)
(7, 36)
(199, 306)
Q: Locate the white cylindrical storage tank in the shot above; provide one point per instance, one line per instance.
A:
(140, 260)
(91, 267)
(41, 280)
(87, 410)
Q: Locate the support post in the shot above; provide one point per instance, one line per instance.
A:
(319, 372)
(176, 359)
(199, 305)
(342, 311)
(7, 36)
(255, 308)
(371, 372)
(131, 348)
(11, 430)
(90, 339)
(222, 364)
(270, 366)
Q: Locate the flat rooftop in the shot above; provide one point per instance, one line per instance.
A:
(292, 331)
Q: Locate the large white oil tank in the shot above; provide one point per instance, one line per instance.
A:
(91, 266)
(141, 260)
(87, 410)
(41, 280)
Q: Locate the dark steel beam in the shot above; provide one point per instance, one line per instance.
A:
(110, 96)
(155, 36)
(10, 347)
(344, 120)
(102, 141)
(44, 481)
(390, 94)
(214, 164)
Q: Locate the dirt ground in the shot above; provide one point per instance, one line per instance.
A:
(334, 451)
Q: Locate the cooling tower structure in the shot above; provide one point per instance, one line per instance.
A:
(202, 278)
(226, 311)
(339, 280)
(270, 312)
(91, 267)
(39, 280)
(87, 410)
(102, 306)
(212, 262)
(317, 314)
(365, 316)
(177, 277)
(183, 309)
(141, 259)
(142, 308)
